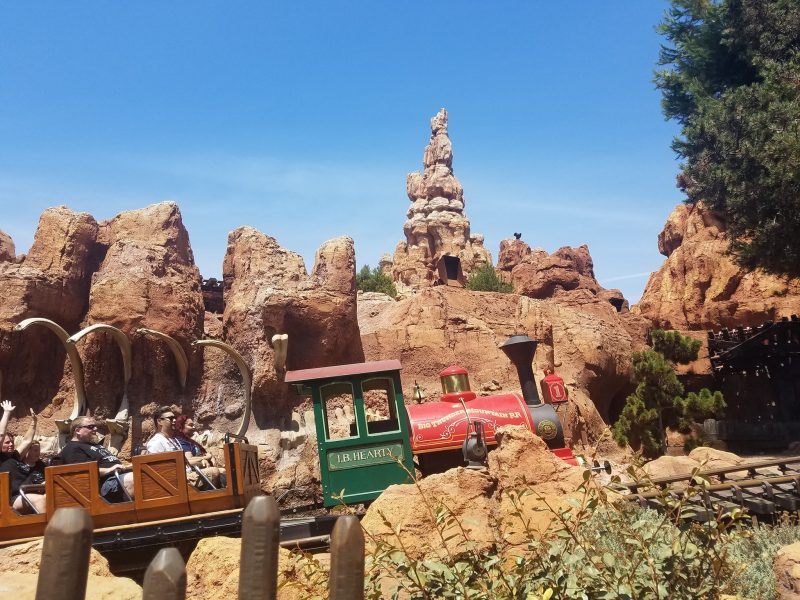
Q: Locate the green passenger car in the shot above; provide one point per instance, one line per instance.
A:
(362, 429)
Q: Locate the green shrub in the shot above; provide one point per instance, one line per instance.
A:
(599, 547)
(375, 280)
(658, 401)
(485, 279)
(755, 551)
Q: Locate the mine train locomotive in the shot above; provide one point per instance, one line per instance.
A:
(376, 447)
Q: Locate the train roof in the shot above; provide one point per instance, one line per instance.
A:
(364, 368)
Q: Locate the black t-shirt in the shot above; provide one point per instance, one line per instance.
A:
(20, 474)
(81, 452)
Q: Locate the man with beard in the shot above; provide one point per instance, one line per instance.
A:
(84, 447)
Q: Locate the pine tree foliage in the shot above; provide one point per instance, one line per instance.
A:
(485, 279)
(675, 347)
(731, 78)
(375, 280)
(658, 400)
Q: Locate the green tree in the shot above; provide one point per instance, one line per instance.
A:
(375, 280)
(485, 279)
(731, 78)
(658, 400)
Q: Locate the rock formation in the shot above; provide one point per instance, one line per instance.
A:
(7, 250)
(436, 224)
(479, 501)
(786, 567)
(147, 278)
(268, 291)
(21, 571)
(567, 274)
(700, 287)
(136, 271)
(443, 326)
(51, 281)
(212, 572)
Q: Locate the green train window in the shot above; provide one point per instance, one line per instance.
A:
(338, 410)
(379, 405)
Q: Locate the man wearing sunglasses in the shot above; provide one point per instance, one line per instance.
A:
(164, 438)
(84, 447)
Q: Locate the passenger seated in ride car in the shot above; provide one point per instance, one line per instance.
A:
(7, 449)
(195, 453)
(164, 440)
(28, 470)
(24, 465)
(84, 447)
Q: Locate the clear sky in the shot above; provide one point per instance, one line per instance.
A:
(302, 119)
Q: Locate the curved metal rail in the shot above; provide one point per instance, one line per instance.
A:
(125, 348)
(79, 404)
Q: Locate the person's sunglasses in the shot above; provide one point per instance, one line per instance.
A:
(170, 418)
(92, 427)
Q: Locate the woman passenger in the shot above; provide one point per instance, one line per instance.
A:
(24, 465)
(195, 453)
(27, 469)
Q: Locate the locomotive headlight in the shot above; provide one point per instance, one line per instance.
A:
(454, 384)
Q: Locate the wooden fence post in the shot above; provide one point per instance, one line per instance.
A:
(64, 567)
(258, 571)
(165, 578)
(347, 560)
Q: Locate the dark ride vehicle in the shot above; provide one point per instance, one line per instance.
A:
(164, 511)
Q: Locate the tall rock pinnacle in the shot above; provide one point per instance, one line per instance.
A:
(436, 224)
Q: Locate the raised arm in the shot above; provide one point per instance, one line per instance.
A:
(27, 439)
(8, 408)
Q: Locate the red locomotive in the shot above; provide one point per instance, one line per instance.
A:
(439, 429)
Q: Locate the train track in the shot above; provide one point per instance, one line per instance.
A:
(762, 489)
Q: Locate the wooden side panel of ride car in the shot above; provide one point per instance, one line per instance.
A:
(248, 483)
(79, 485)
(160, 489)
(12, 524)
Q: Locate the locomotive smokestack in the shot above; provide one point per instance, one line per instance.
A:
(520, 350)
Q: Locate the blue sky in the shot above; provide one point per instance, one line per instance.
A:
(302, 119)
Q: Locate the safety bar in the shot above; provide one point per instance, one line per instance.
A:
(118, 477)
(202, 475)
(31, 488)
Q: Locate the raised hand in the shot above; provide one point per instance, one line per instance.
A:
(34, 416)
(7, 406)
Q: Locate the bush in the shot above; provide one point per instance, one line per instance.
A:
(485, 279)
(375, 280)
(658, 401)
(755, 550)
(601, 546)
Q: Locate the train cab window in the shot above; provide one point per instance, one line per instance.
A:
(338, 407)
(379, 405)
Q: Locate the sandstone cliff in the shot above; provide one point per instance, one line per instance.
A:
(137, 271)
(442, 326)
(7, 250)
(51, 281)
(567, 274)
(268, 291)
(700, 287)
